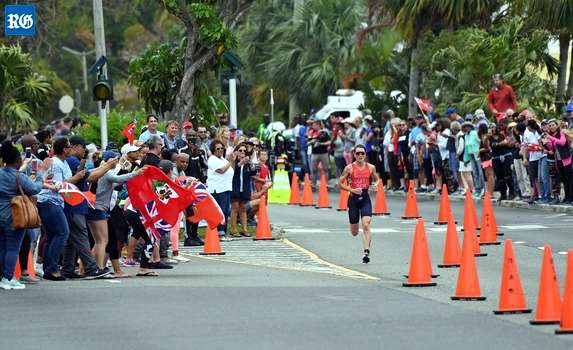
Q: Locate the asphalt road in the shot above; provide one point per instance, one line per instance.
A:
(307, 291)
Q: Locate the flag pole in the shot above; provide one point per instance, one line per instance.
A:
(272, 107)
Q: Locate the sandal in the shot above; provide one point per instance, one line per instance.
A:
(245, 234)
(148, 274)
(235, 234)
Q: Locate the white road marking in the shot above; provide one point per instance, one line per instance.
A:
(383, 230)
(443, 229)
(523, 227)
(541, 248)
(555, 216)
(562, 253)
(519, 242)
(305, 230)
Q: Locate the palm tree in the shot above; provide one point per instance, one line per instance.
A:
(311, 56)
(415, 17)
(555, 16)
(23, 93)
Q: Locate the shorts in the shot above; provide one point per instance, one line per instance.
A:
(96, 215)
(359, 206)
(486, 164)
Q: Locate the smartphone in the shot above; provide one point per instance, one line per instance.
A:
(28, 152)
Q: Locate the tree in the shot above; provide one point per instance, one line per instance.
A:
(413, 18)
(157, 75)
(555, 16)
(23, 92)
(209, 31)
(311, 57)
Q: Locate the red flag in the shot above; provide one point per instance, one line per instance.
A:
(73, 196)
(207, 207)
(424, 105)
(157, 197)
(129, 132)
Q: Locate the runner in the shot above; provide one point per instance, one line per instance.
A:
(356, 178)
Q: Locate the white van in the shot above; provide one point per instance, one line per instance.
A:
(345, 103)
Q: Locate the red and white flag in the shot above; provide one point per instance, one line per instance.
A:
(73, 196)
(424, 105)
(129, 132)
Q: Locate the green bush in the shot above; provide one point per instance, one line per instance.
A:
(117, 120)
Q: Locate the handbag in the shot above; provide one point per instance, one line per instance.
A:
(24, 210)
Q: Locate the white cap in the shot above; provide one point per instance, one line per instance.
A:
(479, 113)
(348, 120)
(125, 149)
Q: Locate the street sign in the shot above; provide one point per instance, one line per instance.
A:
(66, 104)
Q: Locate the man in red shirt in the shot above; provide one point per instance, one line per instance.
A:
(501, 97)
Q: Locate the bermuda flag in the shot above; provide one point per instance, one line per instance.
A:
(206, 208)
(73, 196)
(129, 132)
(425, 105)
(158, 199)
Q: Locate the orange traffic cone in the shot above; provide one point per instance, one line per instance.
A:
(380, 207)
(31, 268)
(307, 199)
(548, 299)
(566, 323)
(445, 207)
(264, 231)
(470, 212)
(452, 246)
(17, 270)
(488, 208)
(420, 274)
(343, 200)
(294, 198)
(511, 297)
(411, 210)
(212, 245)
(469, 228)
(488, 231)
(323, 202)
(468, 280)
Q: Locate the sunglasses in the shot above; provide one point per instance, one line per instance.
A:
(359, 153)
(219, 148)
(242, 150)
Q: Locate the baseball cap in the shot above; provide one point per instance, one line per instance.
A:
(569, 107)
(480, 113)
(125, 149)
(186, 124)
(451, 110)
(107, 155)
(232, 127)
(77, 140)
(469, 117)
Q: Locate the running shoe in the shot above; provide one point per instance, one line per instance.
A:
(11, 284)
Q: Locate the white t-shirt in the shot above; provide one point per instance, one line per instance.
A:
(443, 144)
(388, 142)
(219, 182)
(532, 139)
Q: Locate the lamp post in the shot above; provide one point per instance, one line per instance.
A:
(99, 32)
(82, 55)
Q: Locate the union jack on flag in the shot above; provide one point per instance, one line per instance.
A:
(197, 186)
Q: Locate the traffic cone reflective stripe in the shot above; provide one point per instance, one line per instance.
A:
(307, 199)
(548, 309)
(294, 198)
(411, 209)
(566, 324)
(212, 244)
(467, 287)
(343, 199)
(420, 274)
(380, 207)
(511, 296)
(452, 253)
(264, 231)
(323, 200)
(445, 210)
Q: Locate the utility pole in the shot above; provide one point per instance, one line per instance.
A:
(82, 55)
(293, 108)
(100, 51)
(233, 99)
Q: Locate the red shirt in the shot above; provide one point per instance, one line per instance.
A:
(501, 100)
(360, 178)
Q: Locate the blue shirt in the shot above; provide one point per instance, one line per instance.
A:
(80, 209)
(302, 136)
(414, 133)
(62, 173)
(146, 135)
(8, 190)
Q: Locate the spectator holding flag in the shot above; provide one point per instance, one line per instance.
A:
(501, 97)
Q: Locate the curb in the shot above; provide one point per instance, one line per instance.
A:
(568, 209)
